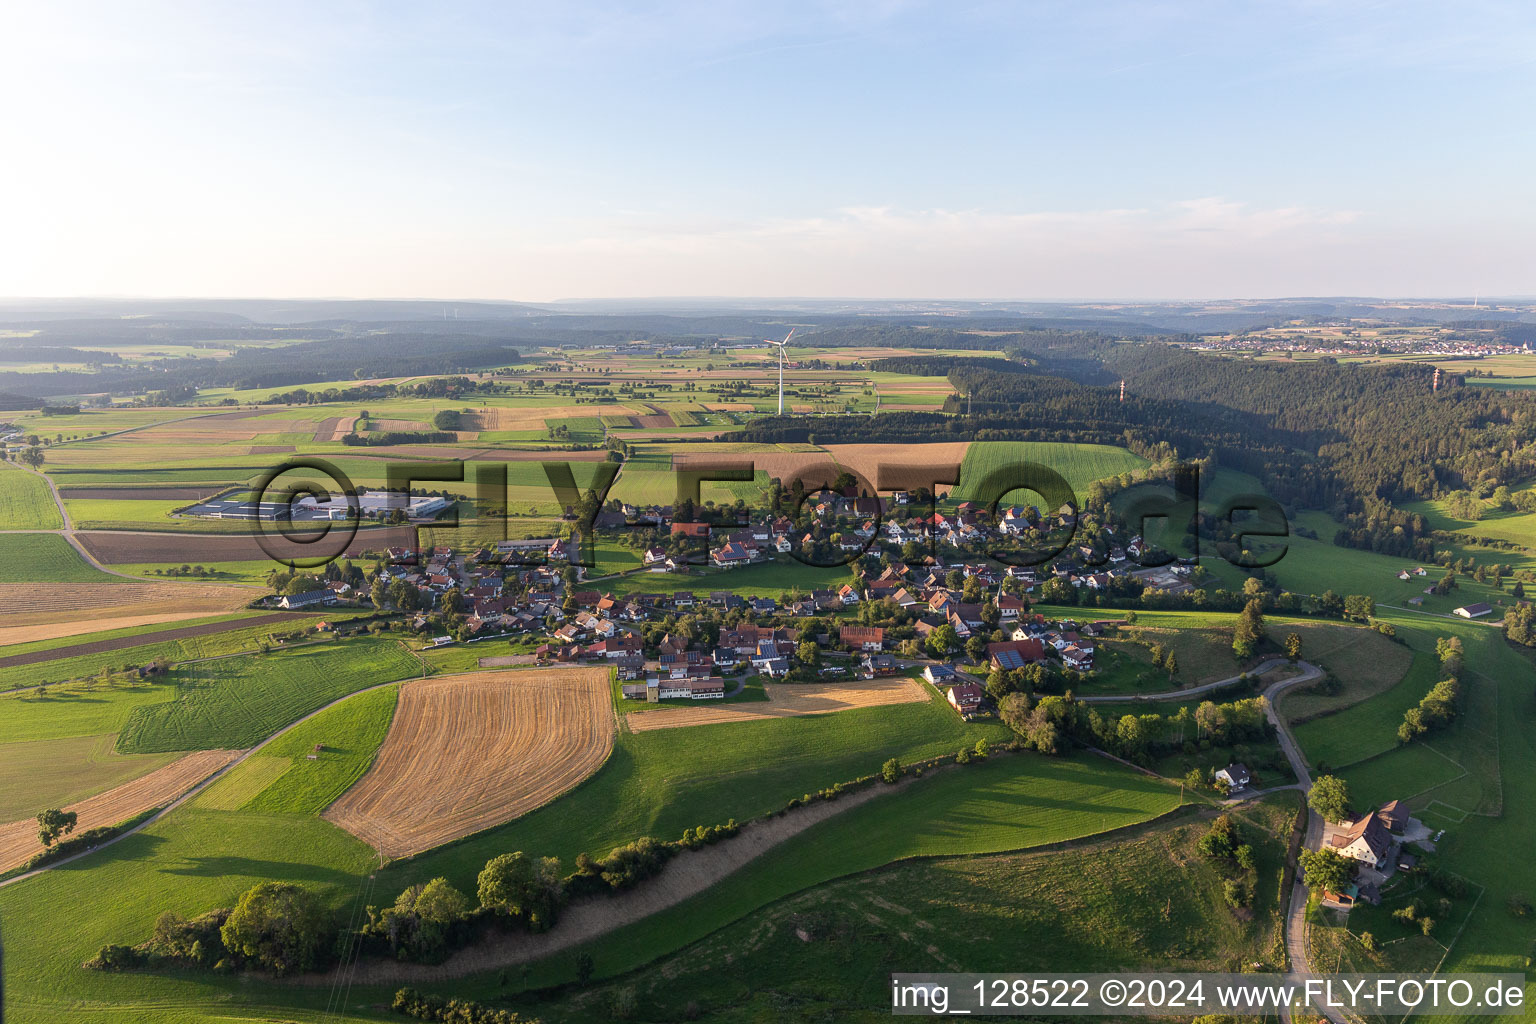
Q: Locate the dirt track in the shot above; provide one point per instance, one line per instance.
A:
(468, 752)
(138, 640)
(785, 700)
(685, 876)
(18, 839)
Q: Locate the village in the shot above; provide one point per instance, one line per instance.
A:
(904, 599)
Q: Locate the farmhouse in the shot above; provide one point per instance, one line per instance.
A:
(1473, 611)
(1367, 841)
(1394, 815)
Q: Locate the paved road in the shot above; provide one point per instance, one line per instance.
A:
(1296, 914)
(189, 794)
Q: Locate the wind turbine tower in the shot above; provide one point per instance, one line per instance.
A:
(781, 345)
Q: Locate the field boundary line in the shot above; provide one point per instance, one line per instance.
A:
(195, 790)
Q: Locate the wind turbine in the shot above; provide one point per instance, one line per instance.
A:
(781, 345)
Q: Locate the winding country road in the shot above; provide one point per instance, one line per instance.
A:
(1296, 913)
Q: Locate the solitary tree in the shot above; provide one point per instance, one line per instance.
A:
(1293, 646)
(1329, 797)
(54, 824)
(1249, 629)
(1326, 869)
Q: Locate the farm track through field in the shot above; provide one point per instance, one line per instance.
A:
(683, 877)
(121, 642)
(467, 752)
(240, 758)
(18, 839)
(785, 700)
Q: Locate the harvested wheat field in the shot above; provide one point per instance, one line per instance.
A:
(468, 752)
(18, 839)
(46, 611)
(334, 428)
(785, 700)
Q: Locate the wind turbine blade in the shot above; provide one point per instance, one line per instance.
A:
(791, 334)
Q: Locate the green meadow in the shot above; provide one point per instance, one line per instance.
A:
(1005, 803)
(1079, 464)
(1147, 903)
(238, 701)
(45, 558)
(25, 501)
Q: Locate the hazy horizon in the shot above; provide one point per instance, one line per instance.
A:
(885, 150)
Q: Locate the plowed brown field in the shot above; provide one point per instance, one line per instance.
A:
(45, 611)
(334, 428)
(111, 547)
(118, 643)
(18, 839)
(468, 752)
(785, 700)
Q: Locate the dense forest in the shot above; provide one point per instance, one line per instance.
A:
(1349, 438)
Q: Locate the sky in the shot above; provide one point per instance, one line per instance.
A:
(1074, 150)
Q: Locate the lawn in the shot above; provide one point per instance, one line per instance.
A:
(235, 702)
(76, 667)
(1079, 464)
(1398, 774)
(648, 479)
(660, 783)
(1149, 902)
(25, 501)
(45, 558)
(1313, 566)
(1489, 813)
